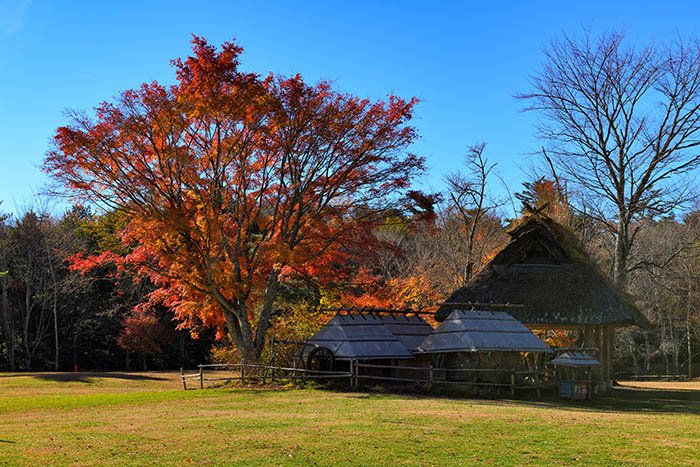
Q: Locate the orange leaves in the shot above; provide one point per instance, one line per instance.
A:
(233, 182)
(410, 291)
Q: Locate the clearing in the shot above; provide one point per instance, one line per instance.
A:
(146, 418)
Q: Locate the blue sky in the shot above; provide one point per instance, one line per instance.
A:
(464, 60)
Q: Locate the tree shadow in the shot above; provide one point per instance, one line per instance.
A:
(619, 399)
(624, 399)
(86, 377)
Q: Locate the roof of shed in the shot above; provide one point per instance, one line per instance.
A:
(361, 337)
(410, 330)
(575, 359)
(482, 331)
(545, 268)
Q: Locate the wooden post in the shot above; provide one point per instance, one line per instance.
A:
(201, 377)
(430, 375)
(184, 380)
(537, 382)
(243, 370)
(353, 374)
(512, 383)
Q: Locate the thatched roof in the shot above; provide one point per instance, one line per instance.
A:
(482, 331)
(545, 269)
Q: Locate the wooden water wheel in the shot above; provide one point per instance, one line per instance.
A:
(320, 359)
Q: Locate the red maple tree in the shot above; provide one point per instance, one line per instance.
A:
(233, 181)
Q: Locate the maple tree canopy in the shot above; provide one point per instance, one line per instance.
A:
(233, 181)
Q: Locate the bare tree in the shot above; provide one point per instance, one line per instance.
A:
(469, 201)
(622, 123)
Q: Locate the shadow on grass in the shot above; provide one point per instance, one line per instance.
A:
(619, 399)
(625, 399)
(85, 377)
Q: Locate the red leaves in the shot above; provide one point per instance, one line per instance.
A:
(85, 264)
(230, 179)
(142, 334)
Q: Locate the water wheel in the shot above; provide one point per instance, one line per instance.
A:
(320, 359)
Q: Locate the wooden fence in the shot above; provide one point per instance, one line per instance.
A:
(430, 376)
(436, 376)
(254, 373)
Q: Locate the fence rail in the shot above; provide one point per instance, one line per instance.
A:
(261, 373)
(513, 384)
(251, 372)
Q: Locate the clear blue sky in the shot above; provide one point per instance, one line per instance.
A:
(464, 60)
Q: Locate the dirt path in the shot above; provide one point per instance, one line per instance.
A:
(693, 385)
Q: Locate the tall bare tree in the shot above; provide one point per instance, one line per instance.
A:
(469, 201)
(622, 122)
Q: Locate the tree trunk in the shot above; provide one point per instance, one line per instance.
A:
(25, 334)
(633, 354)
(75, 351)
(621, 253)
(8, 325)
(55, 305)
(242, 337)
(647, 353)
(689, 341)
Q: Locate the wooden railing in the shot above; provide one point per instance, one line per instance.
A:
(429, 376)
(256, 373)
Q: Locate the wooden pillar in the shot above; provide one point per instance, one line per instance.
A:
(603, 376)
(610, 345)
(592, 339)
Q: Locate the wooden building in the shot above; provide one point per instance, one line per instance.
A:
(546, 270)
(483, 340)
(367, 337)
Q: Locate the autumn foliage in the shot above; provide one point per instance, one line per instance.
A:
(233, 182)
(143, 335)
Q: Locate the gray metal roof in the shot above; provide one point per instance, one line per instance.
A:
(410, 330)
(576, 359)
(361, 337)
(482, 331)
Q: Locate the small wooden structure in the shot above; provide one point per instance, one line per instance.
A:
(366, 336)
(547, 270)
(492, 341)
(574, 374)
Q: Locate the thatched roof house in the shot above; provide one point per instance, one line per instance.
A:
(545, 269)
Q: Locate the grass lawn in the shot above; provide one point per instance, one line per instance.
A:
(130, 418)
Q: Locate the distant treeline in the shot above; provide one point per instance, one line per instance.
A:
(65, 293)
(55, 315)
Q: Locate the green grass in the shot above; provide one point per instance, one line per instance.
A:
(147, 419)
